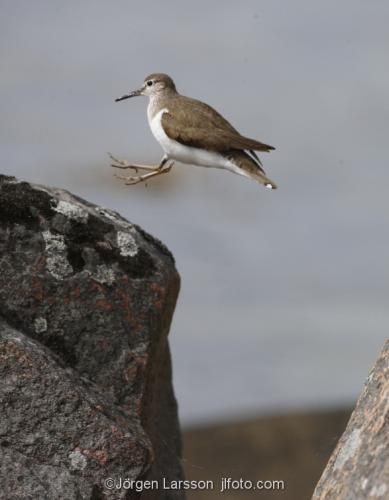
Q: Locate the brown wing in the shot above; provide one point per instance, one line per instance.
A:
(204, 127)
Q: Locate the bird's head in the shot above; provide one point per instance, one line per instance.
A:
(157, 84)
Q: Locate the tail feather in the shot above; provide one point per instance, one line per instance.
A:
(251, 167)
(262, 179)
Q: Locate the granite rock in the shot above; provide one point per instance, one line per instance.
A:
(359, 466)
(86, 301)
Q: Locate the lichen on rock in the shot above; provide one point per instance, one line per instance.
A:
(86, 300)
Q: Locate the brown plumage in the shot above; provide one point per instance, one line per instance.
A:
(203, 127)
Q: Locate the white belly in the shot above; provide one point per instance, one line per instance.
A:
(187, 154)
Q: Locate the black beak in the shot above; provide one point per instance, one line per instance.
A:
(127, 96)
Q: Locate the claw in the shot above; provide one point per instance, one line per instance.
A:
(125, 168)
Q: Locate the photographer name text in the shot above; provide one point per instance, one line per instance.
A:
(226, 484)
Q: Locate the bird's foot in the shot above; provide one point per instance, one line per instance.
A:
(136, 179)
(124, 164)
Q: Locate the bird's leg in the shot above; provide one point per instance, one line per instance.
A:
(132, 180)
(158, 170)
(124, 164)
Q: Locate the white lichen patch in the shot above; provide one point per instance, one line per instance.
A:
(349, 448)
(379, 491)
(56, 259)
(114, 217)
(364, 482)
(40, 325)
(105, 212)
(78, 461)
(54, 242)
(71, 210)
(127, 244)
(104, 274)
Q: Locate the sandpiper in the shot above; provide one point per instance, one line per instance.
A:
(192, 132)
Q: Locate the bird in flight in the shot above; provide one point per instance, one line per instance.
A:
(191, 131)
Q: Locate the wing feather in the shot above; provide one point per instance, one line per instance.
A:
(204, 127)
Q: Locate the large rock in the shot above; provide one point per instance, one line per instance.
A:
(359, 466)
(55, 426)
(86, 301)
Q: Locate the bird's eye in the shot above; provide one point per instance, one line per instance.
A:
(149, 83)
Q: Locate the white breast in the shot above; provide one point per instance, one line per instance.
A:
(187, 154)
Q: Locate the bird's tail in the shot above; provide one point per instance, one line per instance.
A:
(249, 165)
(263, 179)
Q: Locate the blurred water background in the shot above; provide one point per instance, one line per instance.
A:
(284, 300)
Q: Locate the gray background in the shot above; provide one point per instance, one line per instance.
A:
(284, 300)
